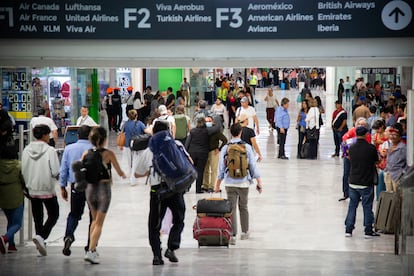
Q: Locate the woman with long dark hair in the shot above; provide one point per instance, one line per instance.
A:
(98, 195)
(301, 125)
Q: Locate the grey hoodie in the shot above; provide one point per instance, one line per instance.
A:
(40, 167)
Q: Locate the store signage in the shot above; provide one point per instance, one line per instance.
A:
(17, 93)
(386, 71)
(205, 19)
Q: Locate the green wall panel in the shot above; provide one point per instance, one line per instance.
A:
(170, 77)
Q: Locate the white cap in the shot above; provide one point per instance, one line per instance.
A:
(162, 109)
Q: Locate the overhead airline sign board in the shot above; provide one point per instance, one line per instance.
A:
(205, 19)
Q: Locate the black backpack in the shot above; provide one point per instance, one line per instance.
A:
(139, 142)
(90, 170)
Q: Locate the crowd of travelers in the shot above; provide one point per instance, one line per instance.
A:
(377, 120)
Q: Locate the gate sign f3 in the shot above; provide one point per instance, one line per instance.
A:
(396, 15)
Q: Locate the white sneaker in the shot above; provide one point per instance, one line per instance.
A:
(244, 236)
(92, 257)
(40, 245)
(232, 240)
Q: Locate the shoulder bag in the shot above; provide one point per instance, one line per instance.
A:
(121, 140)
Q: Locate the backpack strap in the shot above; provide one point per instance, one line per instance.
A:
(238, 111)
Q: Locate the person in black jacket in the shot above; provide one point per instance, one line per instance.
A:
(363, 157)
(117, 110)
(198, 146)
(216, 142)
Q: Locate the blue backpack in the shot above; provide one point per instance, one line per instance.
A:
(172, 163)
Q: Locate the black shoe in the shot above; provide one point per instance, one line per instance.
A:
(157, 261)
(66, 249)
(371, 235)
(343, 198)
(284, 158)
(169, 254)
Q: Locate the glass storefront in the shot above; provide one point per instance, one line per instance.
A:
(60, 91)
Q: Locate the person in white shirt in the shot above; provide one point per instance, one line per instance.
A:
(164, 116)
(186, 91)
(245, 108)
(40, 167)
(218, 109)
(43, 120)
(312, 121)
(85, 119)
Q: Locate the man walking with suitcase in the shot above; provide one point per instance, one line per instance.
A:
(237, 186)
(363, 157)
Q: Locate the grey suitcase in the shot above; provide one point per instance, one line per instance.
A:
(388, 212)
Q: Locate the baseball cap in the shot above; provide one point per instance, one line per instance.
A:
(162, 109)
(361, 131)
(244, 99)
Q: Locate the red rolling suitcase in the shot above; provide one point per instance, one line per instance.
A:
(212, 231)
(213, 225)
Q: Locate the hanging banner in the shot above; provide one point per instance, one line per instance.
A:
(205, 19)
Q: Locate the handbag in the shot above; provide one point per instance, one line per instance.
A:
(311, 133)
(120, 140)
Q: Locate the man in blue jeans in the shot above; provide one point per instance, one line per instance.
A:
(282, 120)
(73, 152)
(348, 139)
(363, 157)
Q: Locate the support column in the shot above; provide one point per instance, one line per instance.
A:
(410, 126)
(137, 80)
(330, 95)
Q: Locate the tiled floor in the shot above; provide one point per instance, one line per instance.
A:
(297, 226)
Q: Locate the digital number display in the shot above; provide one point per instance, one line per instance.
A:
(20, 102)
(19, 81)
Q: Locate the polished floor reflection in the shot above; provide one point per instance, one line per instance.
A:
(297, 225)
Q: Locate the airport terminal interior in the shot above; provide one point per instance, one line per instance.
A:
(296, 223)
(63, 57)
